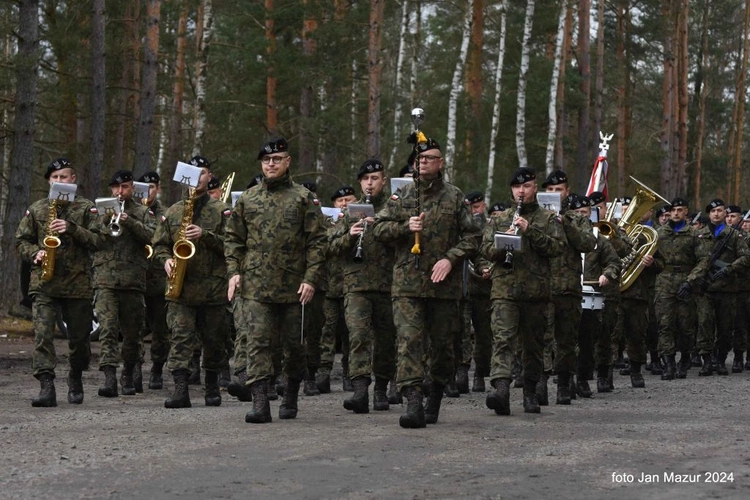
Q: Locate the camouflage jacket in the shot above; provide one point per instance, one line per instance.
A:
(334, 266)
(120, 261)
(568, 267)
(206, 275)
(529, 278)
(72, 277)
(477, 286)
(156, 279)
(735, 255)
(375, 272)
(603, 260)
(448, 232)
(681, 253)
(276, 240)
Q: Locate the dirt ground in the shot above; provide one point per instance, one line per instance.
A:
(132, 447)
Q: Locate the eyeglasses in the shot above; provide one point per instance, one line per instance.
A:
(428, 158)
(273, 159)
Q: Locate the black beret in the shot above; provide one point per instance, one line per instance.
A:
(343, 191)
(256, 180)
(555, 178)
(474, 197)
(199, 161)
(679, 202)
(626, 200)
(370, 166)
(311, 186)
(734, 209)
(120, 177)
(663, 210)
(597, 197)
(425, 146)
(716, 202)
(522, 175)
(58, 164)
(213, 183)
(575, 201)
(149, 177)
(498, 207)
(275, 146)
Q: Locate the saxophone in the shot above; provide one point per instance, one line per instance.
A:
(182, 251)
(50, 242)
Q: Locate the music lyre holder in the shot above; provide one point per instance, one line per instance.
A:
(508, 242)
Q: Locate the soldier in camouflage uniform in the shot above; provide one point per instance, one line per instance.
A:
(567, 293)
(120, 267)
(742, 320)
(426, 290)
(678, 244)
(199, 313)
(367, 295)
(156, 304)
(521, 290)
(275, 250)
(68, 292)
(717, 310)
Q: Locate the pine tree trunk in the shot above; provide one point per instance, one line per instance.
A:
(554, 105)
(201, 75)
(599, 79)
(496, 106)
(125, 95)
(145, 130)
(374, 76)
(398, 90)
(272, 117)
(305, 140)
(667, 103)
(701, 93)
(623, 8)
(474, 81)
(98, 100)
(174, 139)
(562, 117)
(741, 96)
(584, 68)
(521, 97)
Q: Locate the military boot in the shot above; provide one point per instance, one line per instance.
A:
(573, 388)
(706, 369)
(451, 390)
(181, 396)
(276, 386)
(499, 400)
(261, 412)
(518, 380)
(656, 368)
(432, 407)
(380, 396)
(542, 392)
(611, 378)
(47, 396)
(75, 386)
(109, 389)
(695, 360)
(747, 363)
(414, 418)
(530, 401)
(683, 366)
(714, 362)
(478, 383)
(288, 407)
(563, 388)
(360, 400)
(138, 377)
(669, 368)
(602, 383)
(323, 380)
(311, 388)
(462, 379)
(738, 365)
(515, 372)
(582, 386)
(625, 370)
(213, 393)
(394, 396)
(636, 377)
(721, 364)
(156, 380)
(346, 383)
(126, 379)
(240, 389)
(225, 378)
(195, 369)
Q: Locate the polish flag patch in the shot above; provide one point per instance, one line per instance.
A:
(94, 210)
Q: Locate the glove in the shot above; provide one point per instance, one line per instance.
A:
(721, 273)
(684, 291)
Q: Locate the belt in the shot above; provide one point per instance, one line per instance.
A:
(677, 269)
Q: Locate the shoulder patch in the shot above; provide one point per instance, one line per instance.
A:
(394, 197)
(227, 212)
(163, 218)
(559, 219)
(93, 210)
(315, 202)
(27, 213)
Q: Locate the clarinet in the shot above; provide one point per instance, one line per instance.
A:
(508, 264)
(358, 254)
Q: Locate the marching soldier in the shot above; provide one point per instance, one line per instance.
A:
(739, 338)
(69, 289)
(198, 313)
(275, 251)
(426, 288)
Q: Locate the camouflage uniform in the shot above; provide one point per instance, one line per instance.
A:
(156, 304)
(120, 268)
(199, 313)
(275, 240)
(335, 325)
(479, 307)
(423, 309)
(367, 299)
(69, 291)
(742, 320)
(521, 294)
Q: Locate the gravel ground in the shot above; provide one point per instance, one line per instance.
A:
(132, 447)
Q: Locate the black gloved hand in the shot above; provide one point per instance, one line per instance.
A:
(721, 273)
(684, 291)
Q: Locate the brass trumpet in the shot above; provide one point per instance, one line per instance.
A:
(114, 227)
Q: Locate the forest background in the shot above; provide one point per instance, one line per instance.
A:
(141, 84)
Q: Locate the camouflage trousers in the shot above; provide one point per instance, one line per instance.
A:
(741, 322)
(590, 341)
(677, 319)
(548, 341)
(481, 313)
(716, 314)
(191, 325)
(424, 329)
(372, 335)
(634, 324)
(77, 314)
(612, 324)
(567, 323)
(120, 312)
(259, 323)
(652, 330)
(334, 326)
(463, 346)
(156, 324)
(514, 323)
(314, 321)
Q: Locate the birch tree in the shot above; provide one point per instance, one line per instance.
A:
(456, 89)
(145, 130)
(374, 76)
(496, 107)
(552, 108)
(201, 75)
(521, 97)
(398, 95)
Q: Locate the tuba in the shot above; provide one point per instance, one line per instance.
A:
(182, 251)
(644, 200)
(50, 242)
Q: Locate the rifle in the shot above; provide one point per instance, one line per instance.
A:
(713, 260)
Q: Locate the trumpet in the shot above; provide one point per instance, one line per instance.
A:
(114, 227)
(358, 254)
(508, 264)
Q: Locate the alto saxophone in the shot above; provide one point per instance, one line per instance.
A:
(50, 242)
(182, 251)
